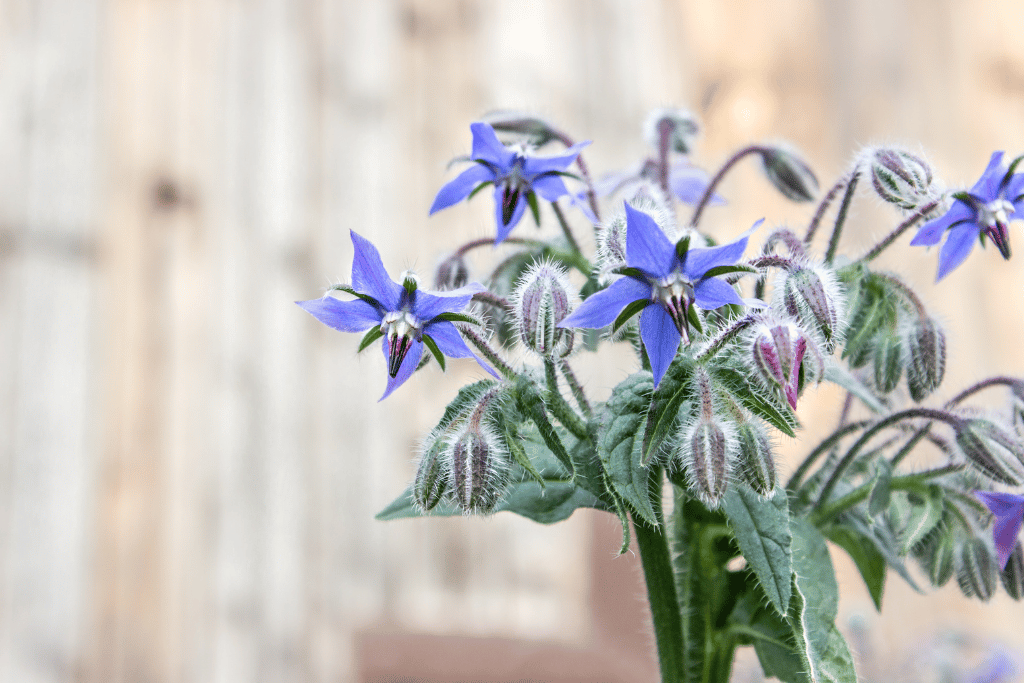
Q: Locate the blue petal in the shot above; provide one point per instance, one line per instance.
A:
(517, 214)
(931, 232)
(601, 308)
(460, 188)
(647, 247)
(409, 365)
(369, 276)
(450, 343)
(582, 202)
(956, 249)
(429, 305)
(550, 187)
(701, 260)
(661, 339)
(987, 186)
(689, 184)
(346, 316)
(712, 293)
(536, 165)
(487, 147)
(1014, 190)
(1008, 510)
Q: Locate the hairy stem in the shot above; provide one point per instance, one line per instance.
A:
(794, 482)
(492, 299)
(566, 230)
(844, 208)
(710, 191)
(489, 353)
(725, 335)
(812, 228)
(560, 407)
(575, 387)
(900, 229)
(661, 593)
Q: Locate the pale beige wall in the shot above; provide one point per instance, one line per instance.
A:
(189, 465)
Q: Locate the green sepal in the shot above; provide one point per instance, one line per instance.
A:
(515, 447)
(726, 270)
(682, 248)
(628, 312)
(630, 271)
(434, 351)
(694, 317)
(766, 406)
(460, 318)
(762, 532)
(372, 335)
(881, 494)
(531, 199)
(359, 295)
(478, 188)
(1010, 170)
(915, 512)
(410, 285)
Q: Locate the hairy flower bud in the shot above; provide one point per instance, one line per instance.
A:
(478, 458)
(542, 301)
(926, 366)
(679, 125)
(901, 178)
(451, 274)
(812, 294)
(991, 450)
(976, 569)
(782, 354)
(757, 462)
(789, 173)
(708, 464)
(1012, 574)
(940, 555)
(888, 360)
(431, 482)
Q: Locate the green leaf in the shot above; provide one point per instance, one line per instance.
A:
(915, 513)
(869, 561)
(881, 494)
(518, 452)
(628, 312)
(762, 531)
(532, 405)
(881, 538)
(434, 351)
(668, 402)
(776, 648)
(766, 406)
(682, 247)
(372, 335)
(619, 448)
(837, 374)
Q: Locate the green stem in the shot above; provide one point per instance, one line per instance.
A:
(718, 342)
(820, 449)
(490, 354)
(575, 387)
(661, 593)
(861, 493)
(812, 228)
(844, 208)
(560, 407)
(566, 230)
(900, 229)
(710, 191)
(909, 445)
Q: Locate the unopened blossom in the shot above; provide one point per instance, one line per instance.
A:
(668, 282)
(517, 175)
(985, 210)
(1008, 510)
(405, 316)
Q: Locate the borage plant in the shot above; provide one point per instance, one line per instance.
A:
(726, 344)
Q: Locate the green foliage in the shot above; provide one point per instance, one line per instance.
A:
(762, 532)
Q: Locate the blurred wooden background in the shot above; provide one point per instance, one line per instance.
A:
(189, 465)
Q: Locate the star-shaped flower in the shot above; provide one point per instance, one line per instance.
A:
(1008, 510)
(983, 211)
(517, 175)
(663, 282)
(405, 317)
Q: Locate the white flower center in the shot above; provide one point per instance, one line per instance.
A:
(398, 324)
(994, 213)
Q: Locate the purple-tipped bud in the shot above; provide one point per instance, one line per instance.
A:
(679, 126)
(1012, 575)
(888, 359)
(789, 173)
(542, 300)
(991, 450)
(976, 569)
(780, 350)
(812, 294)
(707, 462)
(757, 462)
(926, 346)
(451, 274)
(431, 482)
(901, 178)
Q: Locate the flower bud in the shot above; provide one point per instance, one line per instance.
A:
(789, 173)
(976, 569)
(541, 302)
(888, 359)
(431, 482)
(1012, 574)
(940, 558)
(901, 178)
(478, 459)
(757, 462)
(707, 462)
(812, 294)
(926, 346)
(992, 451)
(782, 352)
(451, 274)
(679, 125)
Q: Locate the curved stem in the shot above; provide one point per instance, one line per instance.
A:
(489, 241)
(710, 191)
(492, 299)
(1015, 384)
(773, 261)
(900, 229)
(490, 354)
(665, 128)
(861, 493)
(907, 292)
(844, 208)
(566, 230)
(812, 227)
(819, 450)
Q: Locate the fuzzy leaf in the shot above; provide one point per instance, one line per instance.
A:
(869, 561)
(881, 495)
(767, 407)
(669, 401)
(762, 531)
(837, 374)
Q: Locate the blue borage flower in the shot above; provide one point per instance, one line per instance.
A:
(517, 177)
(663, 282)
(983, 211)
(405, 317)
(1008, 510)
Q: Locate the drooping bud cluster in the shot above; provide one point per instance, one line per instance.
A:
(706, 446)
(542, 300)
(812, 294)
(976, 569)
(901, 178)
(991, 450)
(789, 173)
(451, 274)
(926, 364)
(888, 362)
(785, 357)
(678, 125)
(937, 554)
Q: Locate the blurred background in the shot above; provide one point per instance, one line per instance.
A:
(190, 465)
